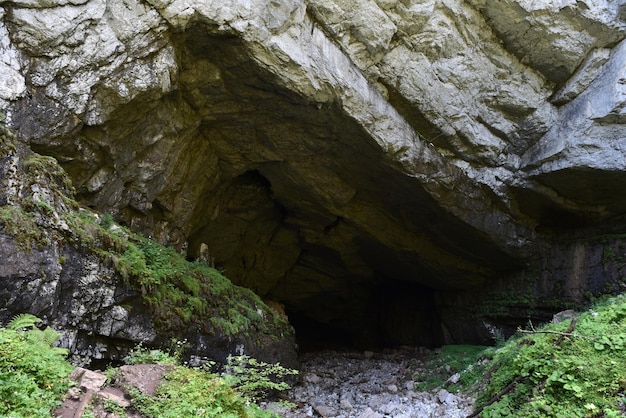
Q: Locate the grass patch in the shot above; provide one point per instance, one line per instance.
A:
(469, 361)
(547, 374)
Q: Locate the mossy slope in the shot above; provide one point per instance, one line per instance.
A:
(575, 368)
(38, 214)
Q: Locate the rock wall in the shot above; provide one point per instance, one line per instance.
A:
(335, 156)
(67, 266)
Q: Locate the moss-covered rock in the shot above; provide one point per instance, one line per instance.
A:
(108, 288)
(573, 368)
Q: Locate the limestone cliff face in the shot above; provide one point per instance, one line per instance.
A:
(346, 158)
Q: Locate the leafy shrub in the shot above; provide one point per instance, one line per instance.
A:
(142, 355)
(187, 392)
(33, 374)
(254, 379)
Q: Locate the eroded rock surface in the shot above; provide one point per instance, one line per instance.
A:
(344, 158)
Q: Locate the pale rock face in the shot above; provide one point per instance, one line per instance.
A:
(12, 83)
(554, 36)
(588, 139)
(460, 90)
(325, 148)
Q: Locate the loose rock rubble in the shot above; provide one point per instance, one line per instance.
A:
(370, 385)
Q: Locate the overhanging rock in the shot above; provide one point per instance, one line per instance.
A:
(315, 160)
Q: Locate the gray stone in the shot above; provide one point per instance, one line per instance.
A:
(454, 378)
(87, 379)
(446, 397)
(325, 411)
(352, 378)
(369, 413)
(583, 77)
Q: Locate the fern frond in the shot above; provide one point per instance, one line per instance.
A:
(22, 321)
(50, 336)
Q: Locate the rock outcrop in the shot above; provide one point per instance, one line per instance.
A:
(108, 292)
(363, 163)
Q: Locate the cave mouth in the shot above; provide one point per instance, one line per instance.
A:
(293, 201)
(394, 314)
(312, 335)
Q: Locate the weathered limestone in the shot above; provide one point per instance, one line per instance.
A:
(582, 158)
(554, 36)
(327, 150)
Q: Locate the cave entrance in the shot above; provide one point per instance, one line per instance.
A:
(312, 335)
(395, 314)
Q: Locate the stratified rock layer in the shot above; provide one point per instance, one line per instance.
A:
(344, 158)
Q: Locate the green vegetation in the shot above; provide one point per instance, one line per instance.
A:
(49, 175)
(142, 355)
(470, 361)
(6, 139)
(570, 369)
(194, 392)
(189, 392)
(22, 225)
(33, 374)
(254, 379)
(180, 292)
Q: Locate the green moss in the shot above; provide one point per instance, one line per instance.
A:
(179, 293)
(37, 165)
(22, 225)
(7, 145)
(608, 254)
